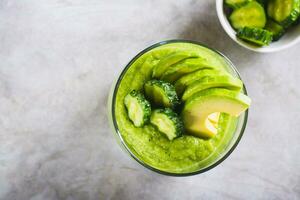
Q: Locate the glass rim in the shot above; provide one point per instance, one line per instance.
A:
(123, 143)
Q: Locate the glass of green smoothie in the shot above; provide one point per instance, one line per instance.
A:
(178, 108)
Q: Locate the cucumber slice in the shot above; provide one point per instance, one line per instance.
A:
(276, 29)
(257, 36)
(221, 81)
(138, 108)
(184, 67)
(161, 93)
(252, 15)
(167, 122)
(184, 81)
(284, 12)
(236, 3)
(172, 59)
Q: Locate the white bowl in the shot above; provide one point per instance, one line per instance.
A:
(290, 38)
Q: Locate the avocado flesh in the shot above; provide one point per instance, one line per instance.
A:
(172, 59)
(214, 118)
(184, 67)
(188, 79)
(219, 81)
(197, 109)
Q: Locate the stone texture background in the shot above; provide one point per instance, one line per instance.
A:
(58, 59)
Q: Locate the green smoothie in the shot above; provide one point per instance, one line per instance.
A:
(187, 153)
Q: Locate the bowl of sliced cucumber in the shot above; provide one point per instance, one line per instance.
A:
(261, 25)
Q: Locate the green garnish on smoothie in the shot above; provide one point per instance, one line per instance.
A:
(196, 100)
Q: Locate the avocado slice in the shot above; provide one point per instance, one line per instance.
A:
(186, 80)
(197, 109)
(184, 67)
(169, 60)
(222, 81)
(214, 118)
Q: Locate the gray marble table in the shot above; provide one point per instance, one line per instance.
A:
(58, 60)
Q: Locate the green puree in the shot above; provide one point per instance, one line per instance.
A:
(187, 153)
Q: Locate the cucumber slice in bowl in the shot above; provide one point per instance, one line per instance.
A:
(167, 122)
(161, 93)
(138, 108)
(285, 12)
(252, 15)
(236, 3)
(276, 29)
(256, 36)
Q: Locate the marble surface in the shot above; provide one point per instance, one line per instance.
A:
(58, 60)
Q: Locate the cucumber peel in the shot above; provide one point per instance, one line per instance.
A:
(161, 93)
(257, 36)
(167, 122)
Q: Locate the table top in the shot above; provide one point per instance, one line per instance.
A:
(58, 60)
